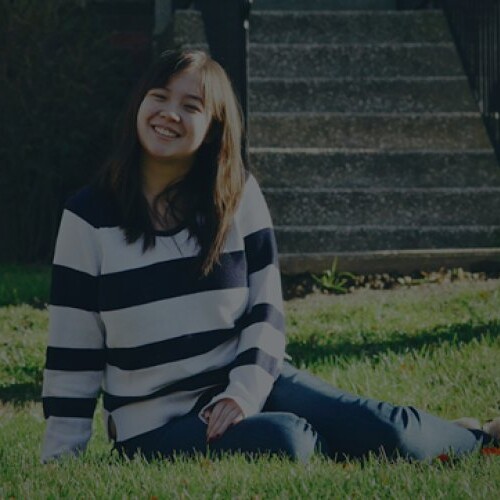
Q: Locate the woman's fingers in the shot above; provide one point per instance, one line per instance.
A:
(224, 413)
(221, 413)
(225, 419)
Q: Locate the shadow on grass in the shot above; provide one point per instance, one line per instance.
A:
(19, 394)
(317, 349)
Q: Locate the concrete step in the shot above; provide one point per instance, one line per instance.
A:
(366, 238)
(188, 28)
(348, 27)
(386, 207)
(361, 95)
(327, 27)
(323, 4)
(403, 262)
(365, 137)
(330, 168)
(438, 131)
(354, 60)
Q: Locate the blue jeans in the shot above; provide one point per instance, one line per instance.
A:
(304, 414)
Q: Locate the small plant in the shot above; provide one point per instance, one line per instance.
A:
(333, 281)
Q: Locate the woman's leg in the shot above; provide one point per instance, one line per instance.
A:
(275, 433)
(352, 426)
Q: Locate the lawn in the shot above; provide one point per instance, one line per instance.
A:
(434, 346)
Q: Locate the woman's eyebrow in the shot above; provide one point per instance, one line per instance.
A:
(190, 96)
(195, 97)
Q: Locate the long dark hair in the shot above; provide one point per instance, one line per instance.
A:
(213, 186)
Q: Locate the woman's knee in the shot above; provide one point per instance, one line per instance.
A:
(287, 434)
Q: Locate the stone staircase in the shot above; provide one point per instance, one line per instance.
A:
(365, 137)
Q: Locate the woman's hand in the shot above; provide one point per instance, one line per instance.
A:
(224, 413)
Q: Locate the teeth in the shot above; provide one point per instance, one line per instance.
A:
(165, 132)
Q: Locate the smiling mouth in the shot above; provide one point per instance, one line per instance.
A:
(165, 132)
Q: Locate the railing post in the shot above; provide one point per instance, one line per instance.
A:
(475, 26)
(162, 21)
(226, 27)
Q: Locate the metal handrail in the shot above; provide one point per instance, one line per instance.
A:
(475, 25)
(227, 28)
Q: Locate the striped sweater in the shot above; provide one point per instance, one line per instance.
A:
(147, 332)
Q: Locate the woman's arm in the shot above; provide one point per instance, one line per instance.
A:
(261, 345)
(75, 352)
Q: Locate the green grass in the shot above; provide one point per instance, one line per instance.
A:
(434, 346)
(24, 285)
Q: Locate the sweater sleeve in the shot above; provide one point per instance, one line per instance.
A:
(75, 351)
(261, 345)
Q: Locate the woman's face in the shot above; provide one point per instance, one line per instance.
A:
(172, 121)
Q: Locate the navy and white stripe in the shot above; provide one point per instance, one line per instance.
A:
(150, 334)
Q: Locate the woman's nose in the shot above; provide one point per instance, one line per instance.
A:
(170, 114)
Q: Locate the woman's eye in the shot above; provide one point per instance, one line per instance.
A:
(192, 108)
(158, 96)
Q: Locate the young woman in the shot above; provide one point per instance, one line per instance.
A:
(166, 296)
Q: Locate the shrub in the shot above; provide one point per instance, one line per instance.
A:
(62, 85)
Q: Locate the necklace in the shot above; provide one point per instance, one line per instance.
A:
(173, 238)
